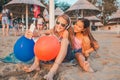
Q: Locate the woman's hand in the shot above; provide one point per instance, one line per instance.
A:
(28, 34)
(49, 76)
(87, 53)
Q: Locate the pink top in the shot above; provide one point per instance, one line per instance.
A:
(77, 43)
(36, 10)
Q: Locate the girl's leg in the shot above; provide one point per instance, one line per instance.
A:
(7, 30)
(3, 30)
(84, 64)
(35, 66)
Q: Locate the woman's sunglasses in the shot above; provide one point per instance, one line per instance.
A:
(63, 25)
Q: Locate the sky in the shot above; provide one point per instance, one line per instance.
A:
(73, 1)
(70, 1)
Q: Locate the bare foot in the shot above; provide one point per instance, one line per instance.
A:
(49, 76)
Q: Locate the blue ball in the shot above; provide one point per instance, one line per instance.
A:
(24, 49)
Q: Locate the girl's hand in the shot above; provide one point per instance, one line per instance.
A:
(49, 76)
(87, 53)
(28, 34)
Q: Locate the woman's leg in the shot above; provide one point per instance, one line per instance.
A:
(84, 64)
(3, 30)
(35, 66)
(7, 30)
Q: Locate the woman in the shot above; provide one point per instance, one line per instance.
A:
(84, 43)
(5, 21)
(64, 33)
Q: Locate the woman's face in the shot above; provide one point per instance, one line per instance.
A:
(79, 26)
(60, 24)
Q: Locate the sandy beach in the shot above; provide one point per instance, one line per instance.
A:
(107, 65)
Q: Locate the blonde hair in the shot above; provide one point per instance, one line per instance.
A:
(68, 28)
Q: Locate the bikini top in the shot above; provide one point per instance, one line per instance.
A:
(77, 43)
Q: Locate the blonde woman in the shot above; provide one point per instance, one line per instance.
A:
(64, 32)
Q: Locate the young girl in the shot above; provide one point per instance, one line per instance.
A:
(40, 21)
(64, 33)
(84, 43)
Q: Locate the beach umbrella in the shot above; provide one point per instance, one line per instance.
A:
(115, 16)
(98, 24)
(19, 3)
(82, 8)
(113, 22)
(58, 11)
(93, 18)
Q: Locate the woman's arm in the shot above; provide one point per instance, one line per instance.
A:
(29, 34)
(96, 46)
(60, 57)
(62, 52)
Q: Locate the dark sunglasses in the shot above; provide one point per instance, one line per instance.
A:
(63, 25)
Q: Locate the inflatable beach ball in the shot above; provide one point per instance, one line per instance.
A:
(24, 49)
(46, 48)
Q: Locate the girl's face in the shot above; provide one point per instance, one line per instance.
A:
(61, 24)
(79, 26)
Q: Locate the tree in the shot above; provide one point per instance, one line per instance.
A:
(63, 5)
(3, 2)
(107, 7)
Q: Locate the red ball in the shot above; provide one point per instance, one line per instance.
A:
(47, 48)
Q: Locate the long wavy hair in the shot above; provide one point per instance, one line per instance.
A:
(68, 28)
(87, 32)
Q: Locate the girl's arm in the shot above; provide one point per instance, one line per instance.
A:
(29, 34)
(60, 57)
(96, 46)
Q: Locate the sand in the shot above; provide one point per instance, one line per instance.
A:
(107, 66)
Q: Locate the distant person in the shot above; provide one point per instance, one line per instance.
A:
(16, 27)
(36, 10)
(22, 27)
(40, 22)
(46, 17)
(5, 21)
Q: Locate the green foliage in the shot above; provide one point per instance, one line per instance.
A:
(3, 2)
(107, 7)
(63, 5)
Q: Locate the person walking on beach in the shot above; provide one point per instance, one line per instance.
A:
(5, 21)
(84, 43)
(64, 32)
(46, 17)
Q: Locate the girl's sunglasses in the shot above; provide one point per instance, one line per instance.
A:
(63, 25)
